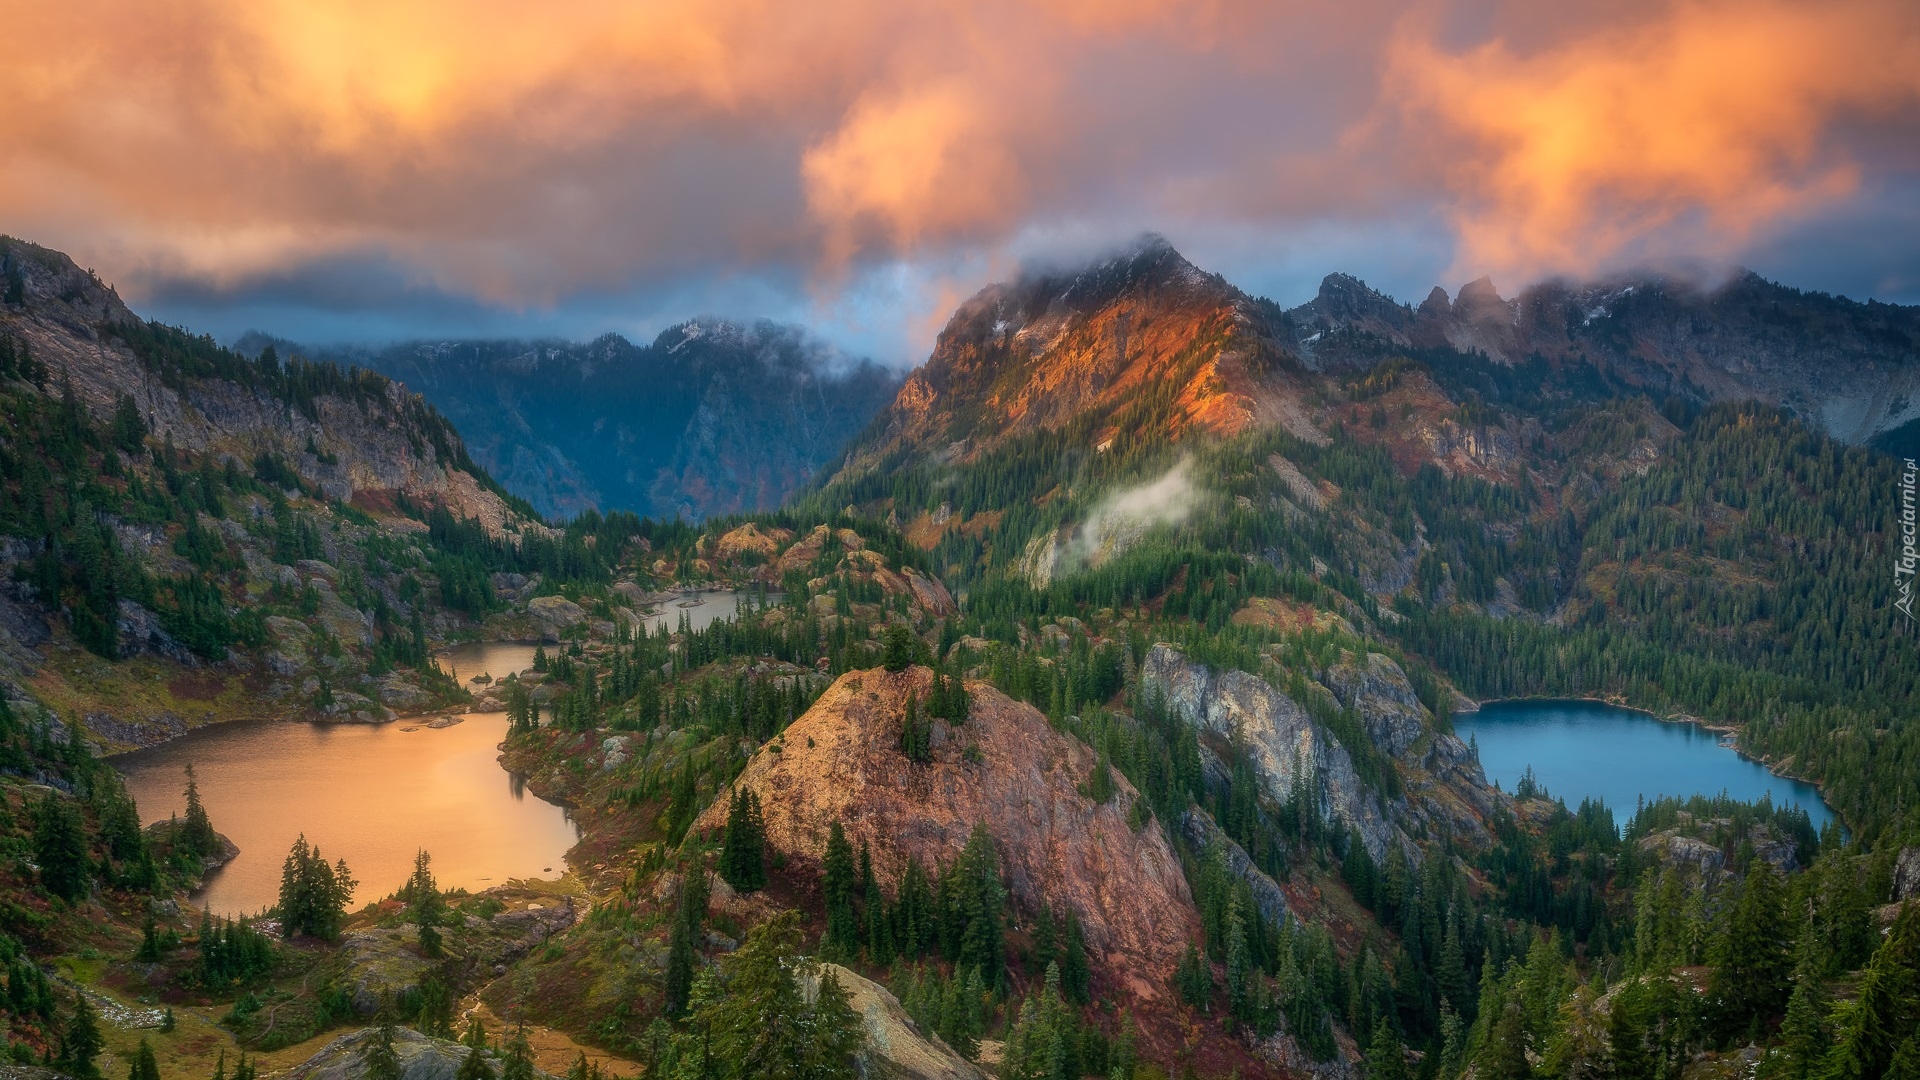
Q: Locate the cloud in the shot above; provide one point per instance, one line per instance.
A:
(1114, 524)
(553, 163)
(1684, 135)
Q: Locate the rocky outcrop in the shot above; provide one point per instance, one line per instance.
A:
(1906, 875)
(1005, 768)
(551, 615)
(1289, 748)
(421, 1058)
(896, 1048)
(1203, 832)
(1379, 692)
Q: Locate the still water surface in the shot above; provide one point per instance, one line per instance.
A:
(1581, 749)
(502, 658)
(372, 794)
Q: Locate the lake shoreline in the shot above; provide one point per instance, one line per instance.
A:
(1722, 729)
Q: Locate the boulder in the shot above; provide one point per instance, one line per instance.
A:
(553, 614)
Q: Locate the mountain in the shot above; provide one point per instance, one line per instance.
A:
(712, 418)
(1100, 347)
(1849, 369)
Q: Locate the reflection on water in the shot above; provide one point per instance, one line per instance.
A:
(372, 794)
(502, 658)
(496, 658)
(702, 608)
(1579, 749)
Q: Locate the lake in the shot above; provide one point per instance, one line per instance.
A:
(1582, 749)
(370, 793)
(502, 658)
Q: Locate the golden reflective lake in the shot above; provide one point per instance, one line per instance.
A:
(369, 793)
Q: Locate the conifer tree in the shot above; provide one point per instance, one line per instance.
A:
(518, 1062)
(916, 733)
(837, 884)
(1871, 1033)
(898, 654)
(82, 1042)
(60, 847)
(1076, 976)
(425, 905)
(743, 844)
(1754, 964)
(682, 948)
(1194, 979)
(144, 1065)
(1386, 1059)
(381, 1060)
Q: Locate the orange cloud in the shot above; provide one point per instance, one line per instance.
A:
(1678, 136)
(522, 153)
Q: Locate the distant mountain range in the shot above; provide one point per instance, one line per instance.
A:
(712, 418)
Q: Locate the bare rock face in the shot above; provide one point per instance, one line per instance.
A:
(1289, 748)
(1385, 700)
(1906, 875)
(896, 1047)
(1005, 767)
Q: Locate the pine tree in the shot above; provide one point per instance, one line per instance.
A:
(1194, 979)
(973, 914)
(381, 1061)
(425, 904)
(1386, 1059)
(60, 847)
(1076, 976)
(756, 1020)
(518, 1063)
(837, 884)
(916, 733)
(144, 1065)
(1505, 1055)
(475, 1066)
(313, 894)
(82, 1042)
(682, 949)
(899, 650)
(1754, 964)
(1870, 1034)
(743, 844)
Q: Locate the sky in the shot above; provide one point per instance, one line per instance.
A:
(371, 170)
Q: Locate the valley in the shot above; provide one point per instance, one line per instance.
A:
(1095, 709)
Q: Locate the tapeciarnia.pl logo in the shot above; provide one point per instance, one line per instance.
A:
(1908, 559)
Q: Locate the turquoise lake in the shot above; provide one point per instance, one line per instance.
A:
(1582, 749)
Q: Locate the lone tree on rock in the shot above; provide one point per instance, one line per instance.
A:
(196, 834)
(899, 648)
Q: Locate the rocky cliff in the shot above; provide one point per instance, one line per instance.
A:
(1442, 784)
(1005, 767)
